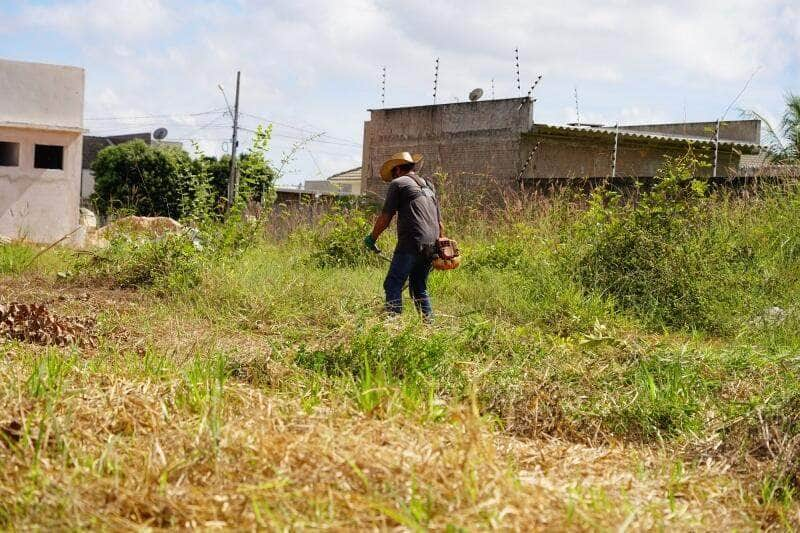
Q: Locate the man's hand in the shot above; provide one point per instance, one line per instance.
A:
(381, 223)
(369, 242)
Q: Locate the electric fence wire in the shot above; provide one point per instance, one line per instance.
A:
(435, 80)
(175, 123)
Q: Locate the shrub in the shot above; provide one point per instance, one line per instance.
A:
(338, 241)
(146, 179)
(169, 262)
(659, 256)
(153, 180)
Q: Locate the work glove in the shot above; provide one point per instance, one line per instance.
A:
(369, 242)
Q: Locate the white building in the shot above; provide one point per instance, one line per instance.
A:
(41, 136)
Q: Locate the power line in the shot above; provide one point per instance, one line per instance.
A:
(314, 159)
(166, 115)
(149, 121)
(348, 144)
(192, 132)
(207, 125)
(302, 130)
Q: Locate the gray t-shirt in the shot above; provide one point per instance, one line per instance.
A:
(414, 201)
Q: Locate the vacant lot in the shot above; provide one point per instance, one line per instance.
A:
(603, 365)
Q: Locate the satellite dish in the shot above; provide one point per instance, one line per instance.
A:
(475, 95)
(160, 133)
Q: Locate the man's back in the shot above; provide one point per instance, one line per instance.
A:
(414, 201)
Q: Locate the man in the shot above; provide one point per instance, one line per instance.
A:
(419, 224)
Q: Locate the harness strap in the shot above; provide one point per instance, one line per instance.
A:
(423, 183)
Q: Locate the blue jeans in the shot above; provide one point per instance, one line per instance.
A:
(414, 268)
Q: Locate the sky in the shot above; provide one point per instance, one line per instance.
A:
(313, 67)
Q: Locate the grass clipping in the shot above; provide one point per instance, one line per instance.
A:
(35, 324)
(138, 456)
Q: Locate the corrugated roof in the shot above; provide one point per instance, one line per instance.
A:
(643, 135)
(309, 192)
(356, 173)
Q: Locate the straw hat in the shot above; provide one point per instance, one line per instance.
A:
(400, 158)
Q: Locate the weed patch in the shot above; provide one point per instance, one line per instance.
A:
(338, 241)
(659, 256)
(171, 262)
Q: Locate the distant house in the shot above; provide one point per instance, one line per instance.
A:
(41, 134)
(759, 166)
(347, 182)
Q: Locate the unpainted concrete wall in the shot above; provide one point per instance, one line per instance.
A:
(476, 142)
(466, 140)
(40, 205)
(563, 157)
(38, 94)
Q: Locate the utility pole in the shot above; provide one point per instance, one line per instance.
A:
(614, 157)
(233, 178)
(716, 150)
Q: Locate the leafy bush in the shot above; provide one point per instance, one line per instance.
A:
(146, 179)
(169, 262)
(153, 180)
(338, 241)
(659, 256)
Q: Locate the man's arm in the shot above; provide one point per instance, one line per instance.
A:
(385, 217)
(441, 229)
(381, 223)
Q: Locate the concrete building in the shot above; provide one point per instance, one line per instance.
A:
(346, 182)
(491, 140)
(41, 133)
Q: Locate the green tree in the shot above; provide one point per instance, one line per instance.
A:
(784, 141)
(256, 175)
(790, 126)
(164, 181)
(147, 180)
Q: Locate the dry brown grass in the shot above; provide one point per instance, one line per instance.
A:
(107, 447)
(114, 452)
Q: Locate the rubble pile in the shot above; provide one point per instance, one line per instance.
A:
(34, 323)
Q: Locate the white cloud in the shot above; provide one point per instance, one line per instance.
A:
(315, 64)
(102, 19)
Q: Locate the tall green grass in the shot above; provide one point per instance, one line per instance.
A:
(647, 318)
